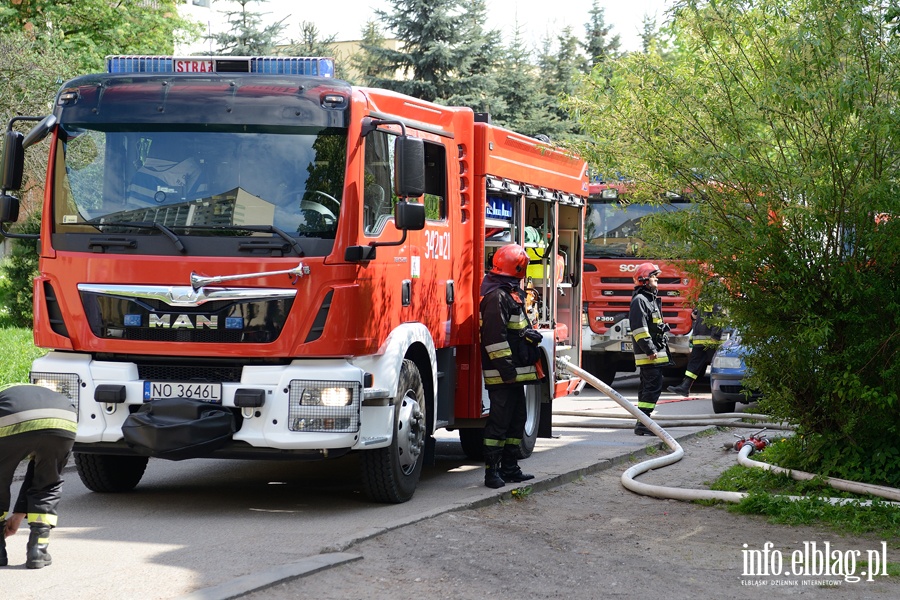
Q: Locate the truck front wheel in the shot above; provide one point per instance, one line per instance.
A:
(599, 367)
(391, 474)
(110, 473)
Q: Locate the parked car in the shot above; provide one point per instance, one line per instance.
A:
(726, 376)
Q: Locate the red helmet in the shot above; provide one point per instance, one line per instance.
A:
(510, 260)
(644, 272)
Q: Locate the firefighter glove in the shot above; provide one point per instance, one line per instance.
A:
(532, 337)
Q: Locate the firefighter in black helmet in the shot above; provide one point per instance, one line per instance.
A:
(39, 423)
(648, 332)
(509, 356)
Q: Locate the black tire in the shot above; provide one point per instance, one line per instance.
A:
(390, 474)
(472, 441)
(532, 419)
(472, 438)
(603, 370)
(723, 407)
(109, 473)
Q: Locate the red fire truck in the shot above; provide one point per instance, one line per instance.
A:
(242, 257)
(612, 239)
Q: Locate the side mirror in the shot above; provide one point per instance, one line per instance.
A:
(39, 131)
(409, 167)
(9, 209)
(13, 164)
(409, 216)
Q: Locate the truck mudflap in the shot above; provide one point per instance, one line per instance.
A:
(178, 428)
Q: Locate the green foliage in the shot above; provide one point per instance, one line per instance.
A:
(369, 62)
(520, 104)
(768, 495)
(600, 45)
(248, 36)
(433, 49)
(17, 351)
(17, 272)
(31, 73)
(822, 454)
(88, 30)
(779, 116)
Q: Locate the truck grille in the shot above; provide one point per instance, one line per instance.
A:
(239, 321)
(214, 373)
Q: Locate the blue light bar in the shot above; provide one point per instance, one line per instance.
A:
(270, 65)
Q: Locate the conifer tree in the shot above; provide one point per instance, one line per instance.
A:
(247, 36)
(559, 73)
(431, 50)
(483, 49)
(600, 46)
(370, 65)
(521, 104)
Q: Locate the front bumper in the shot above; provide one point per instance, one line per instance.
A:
(283, 423)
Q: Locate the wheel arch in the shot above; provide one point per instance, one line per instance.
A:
(410, 341)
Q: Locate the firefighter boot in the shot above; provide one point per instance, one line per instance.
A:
(510, 471)
(492, 477)
(683, 388)
(4, 560)
(640, 428)
(36, 556)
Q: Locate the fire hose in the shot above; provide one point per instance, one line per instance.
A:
(746, 447)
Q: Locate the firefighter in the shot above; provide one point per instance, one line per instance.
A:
(648, 331)
(509, 358)
(38, 423)
(705, 339)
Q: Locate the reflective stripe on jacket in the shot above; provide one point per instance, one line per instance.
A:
(502, 321)
(647, 328)
(25, 408)
(703, 334)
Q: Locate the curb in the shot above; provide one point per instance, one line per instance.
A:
(265, 579)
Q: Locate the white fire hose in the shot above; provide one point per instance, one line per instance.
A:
(673, 493)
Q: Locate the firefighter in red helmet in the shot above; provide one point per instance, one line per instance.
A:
(509, 353)
(648, 332)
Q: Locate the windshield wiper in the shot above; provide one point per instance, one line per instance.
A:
(147, 225)
(261, 229)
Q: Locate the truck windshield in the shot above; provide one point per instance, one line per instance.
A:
(200, 182)
(614, 228)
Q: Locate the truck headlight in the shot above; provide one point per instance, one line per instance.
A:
(67, 384)
(324, 406)
(331, 396)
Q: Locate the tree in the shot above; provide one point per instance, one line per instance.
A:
(247, 36)
(432, 49)
(89, 30)
(649, 33)
(600, 46)
(477, 85)
(311, 43)
(780, 116)
(559, 73)
(32, 72)
(521, 105)
(31, 75)
(369, 62)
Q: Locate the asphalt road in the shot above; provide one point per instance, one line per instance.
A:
(217, 528)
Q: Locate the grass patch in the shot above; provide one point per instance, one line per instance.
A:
(17, 351)
(767, 496)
